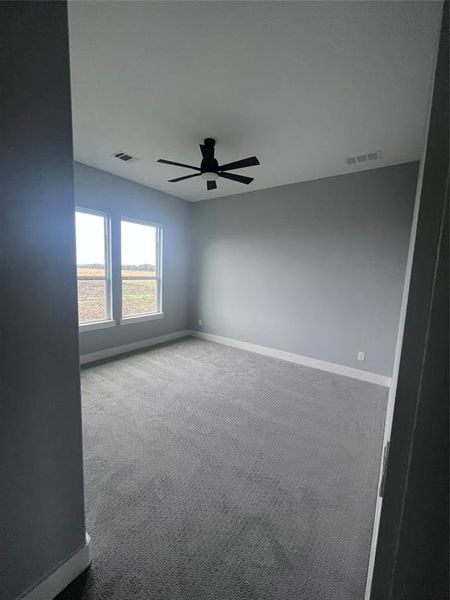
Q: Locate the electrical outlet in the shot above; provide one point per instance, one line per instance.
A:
(200, 322)
(361, 356)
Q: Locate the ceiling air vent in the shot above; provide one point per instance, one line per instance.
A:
(124, 157)
(362, 158)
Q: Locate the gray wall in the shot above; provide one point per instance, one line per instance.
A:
(41, 479)
(119, 197)
(313, 268)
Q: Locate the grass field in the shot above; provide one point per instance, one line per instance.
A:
(92, 272)
(138, 296)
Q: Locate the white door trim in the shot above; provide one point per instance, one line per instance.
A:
(400, 332)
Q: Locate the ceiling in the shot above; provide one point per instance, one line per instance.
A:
(301, 85)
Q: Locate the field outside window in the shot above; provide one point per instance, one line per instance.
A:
(141, 268)
(93, 268)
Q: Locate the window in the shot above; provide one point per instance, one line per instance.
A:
(141, 269)
(93, 267)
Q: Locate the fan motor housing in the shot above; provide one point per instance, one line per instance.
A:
(209, 165)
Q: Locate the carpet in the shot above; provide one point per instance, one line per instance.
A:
(213, 473)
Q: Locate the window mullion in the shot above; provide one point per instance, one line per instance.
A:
(108, 277)
(138, 278)
(91, 278)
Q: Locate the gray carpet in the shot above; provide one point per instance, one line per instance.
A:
(217, 474)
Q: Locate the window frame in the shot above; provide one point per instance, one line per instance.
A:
(108, 321)
(158, 314)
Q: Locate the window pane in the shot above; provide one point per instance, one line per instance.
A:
(138, 249)
(92, 257)
(91, 300)
(140, 258)
(139, 297)
(90, 237)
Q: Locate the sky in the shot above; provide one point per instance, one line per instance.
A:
(138, 241)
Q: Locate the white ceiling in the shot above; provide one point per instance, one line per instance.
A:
(301, 85)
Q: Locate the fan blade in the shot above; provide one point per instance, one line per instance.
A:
(177, 164)
(207, 151)
(211, 185)
(185, 177)
(240, 164)
(235, 177)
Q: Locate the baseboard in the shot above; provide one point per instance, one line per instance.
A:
(123, 349)
(60, 578)
(265, 350)
(306, 361)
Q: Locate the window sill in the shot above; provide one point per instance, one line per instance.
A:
(141, 318)
(96, 325)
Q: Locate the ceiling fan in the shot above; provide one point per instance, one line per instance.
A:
(209, 168)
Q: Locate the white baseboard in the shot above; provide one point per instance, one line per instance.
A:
(60, 578)
(306, 361)
(117, 350)
(273, 352)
